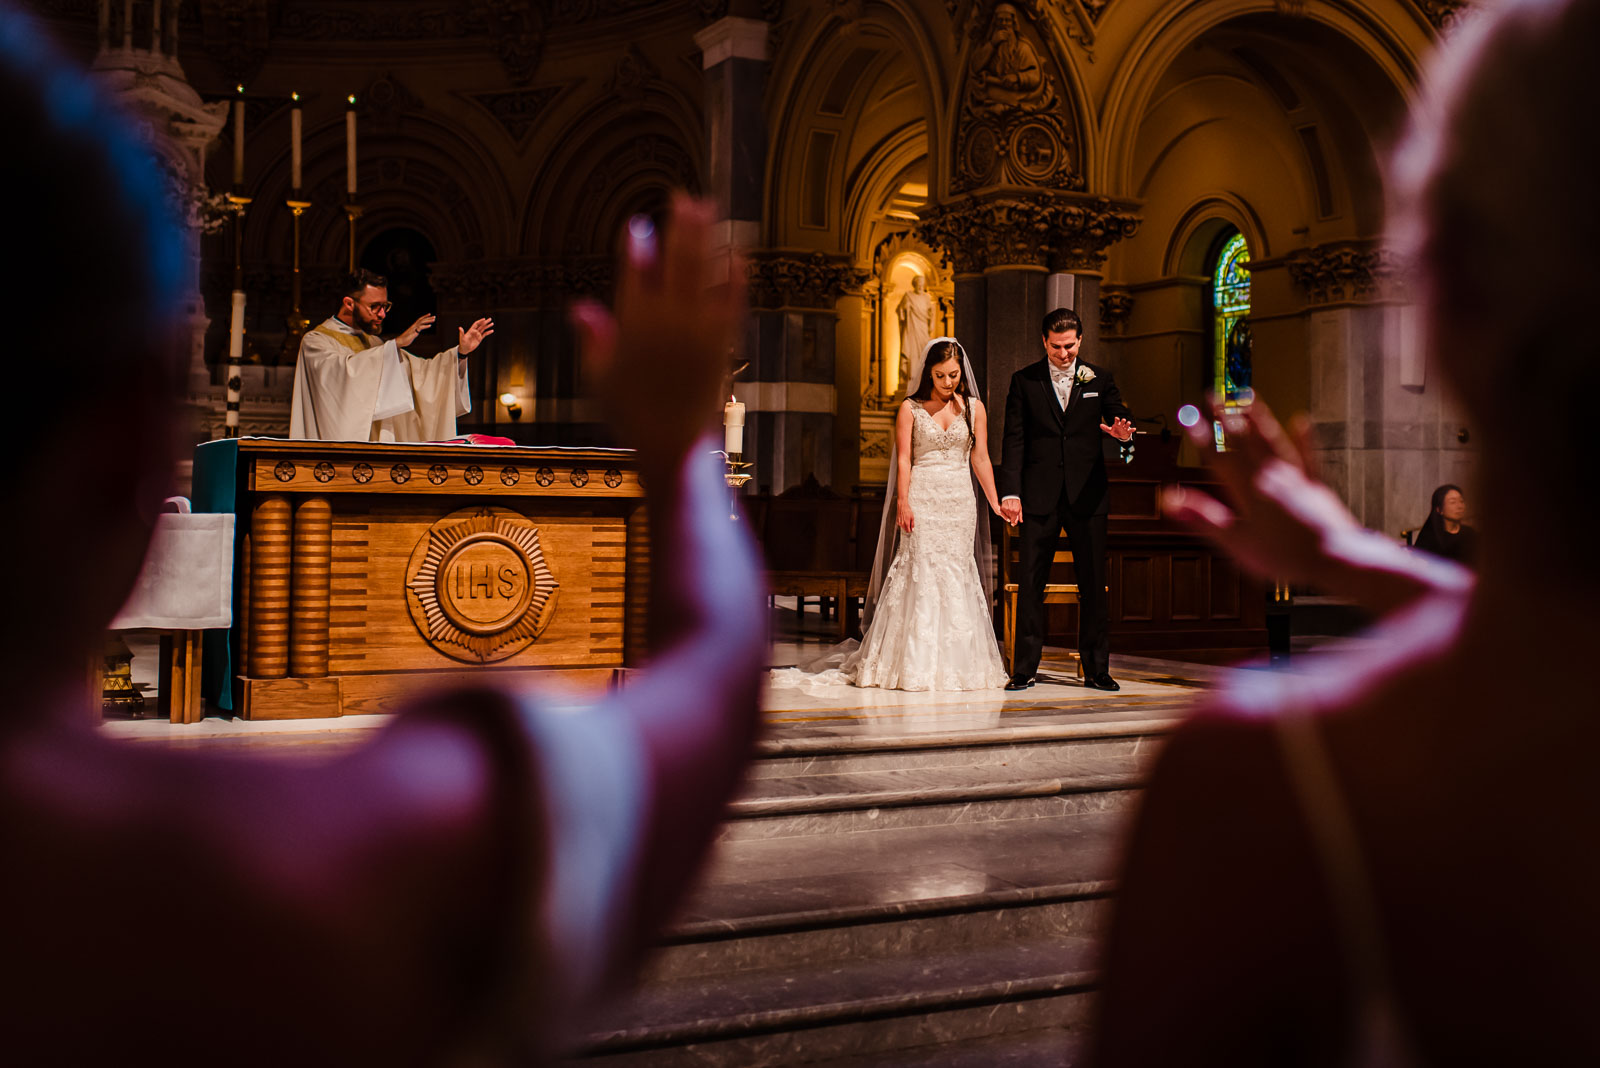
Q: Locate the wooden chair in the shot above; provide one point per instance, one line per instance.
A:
(1054, 592)
(807, 540)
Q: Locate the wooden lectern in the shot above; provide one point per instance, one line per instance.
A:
(368, 572)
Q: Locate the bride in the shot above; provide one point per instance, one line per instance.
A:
(928, 620)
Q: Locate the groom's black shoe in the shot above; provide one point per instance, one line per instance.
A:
(1101, 681)
(1017, 682)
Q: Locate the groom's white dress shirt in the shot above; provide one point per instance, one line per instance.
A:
(1061, 381)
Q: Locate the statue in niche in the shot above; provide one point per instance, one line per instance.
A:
(1007, 73)
(915, 315)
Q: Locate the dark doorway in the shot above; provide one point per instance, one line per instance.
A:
(402, 255)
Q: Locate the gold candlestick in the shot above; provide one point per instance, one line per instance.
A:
(297, 323)
(352, 212)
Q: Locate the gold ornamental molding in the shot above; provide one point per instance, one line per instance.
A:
(1058, 231)
(478, 585)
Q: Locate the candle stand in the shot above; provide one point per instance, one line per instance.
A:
(736, 475)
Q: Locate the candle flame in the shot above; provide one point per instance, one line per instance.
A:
(352, 99)
(239, 89)
(294, 96)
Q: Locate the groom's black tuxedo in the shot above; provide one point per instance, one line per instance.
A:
(1053, 461)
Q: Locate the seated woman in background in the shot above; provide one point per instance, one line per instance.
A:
(1388, 857)
(1444, 534)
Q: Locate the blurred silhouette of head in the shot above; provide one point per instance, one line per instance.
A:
(94, 287)
(1495, 199)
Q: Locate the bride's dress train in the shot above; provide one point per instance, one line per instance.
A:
(932, 628)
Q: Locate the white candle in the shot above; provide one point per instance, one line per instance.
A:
(238, 139)
(350, 148)
(294, 143)
(733, 427)
(236, 328)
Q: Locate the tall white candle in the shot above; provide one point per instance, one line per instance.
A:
(733, 427)
(294, 142)
(236, 328)
(238, 138)
(350, 148)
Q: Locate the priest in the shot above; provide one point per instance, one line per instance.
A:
(351, 385)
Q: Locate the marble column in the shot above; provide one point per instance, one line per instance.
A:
(733, 55)
(790, 391)
(1384, 432)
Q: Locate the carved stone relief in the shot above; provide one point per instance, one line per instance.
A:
(518, 111)
(528, 283)
(1014, 123)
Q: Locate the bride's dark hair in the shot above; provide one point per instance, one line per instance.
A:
(942, 353)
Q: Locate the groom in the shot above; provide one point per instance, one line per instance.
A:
(1053, 475)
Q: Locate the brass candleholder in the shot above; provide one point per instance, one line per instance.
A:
(296, 322)
(736, 475)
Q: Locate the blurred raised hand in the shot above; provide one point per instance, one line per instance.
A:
(1282, 523)
(660, 358)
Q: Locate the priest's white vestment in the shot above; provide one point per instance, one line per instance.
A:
(352, 386)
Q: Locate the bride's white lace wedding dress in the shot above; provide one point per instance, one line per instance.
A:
(932, 628)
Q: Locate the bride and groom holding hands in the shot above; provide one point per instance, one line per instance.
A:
(929, 623)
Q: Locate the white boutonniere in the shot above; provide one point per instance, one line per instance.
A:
(1085, 373)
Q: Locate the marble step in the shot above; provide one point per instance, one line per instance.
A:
(897, 893)
(852, 1008)
(1054, 1048)
(1057, 745)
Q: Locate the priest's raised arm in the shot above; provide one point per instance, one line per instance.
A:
(351, 385)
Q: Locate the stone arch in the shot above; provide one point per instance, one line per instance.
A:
(1191, 240)
(851, 101)
(1385, 55)
(631, 158)
(417, 173)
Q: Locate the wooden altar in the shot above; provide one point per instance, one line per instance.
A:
(368, 572)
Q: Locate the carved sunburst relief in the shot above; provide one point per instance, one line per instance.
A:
(479, 587)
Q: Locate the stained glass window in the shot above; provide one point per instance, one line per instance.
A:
(1230, 288)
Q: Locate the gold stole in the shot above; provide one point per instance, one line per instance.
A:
(353, 342)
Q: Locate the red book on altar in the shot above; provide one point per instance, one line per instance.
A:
(476, 439)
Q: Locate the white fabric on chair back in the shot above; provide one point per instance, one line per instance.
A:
(186, 582)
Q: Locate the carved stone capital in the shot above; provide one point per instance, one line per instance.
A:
(1115, 307)
(1057, 231)
(1347, 271)
(800, 280)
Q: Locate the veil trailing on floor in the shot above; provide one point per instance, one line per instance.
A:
(833, 666)
(889, 531)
